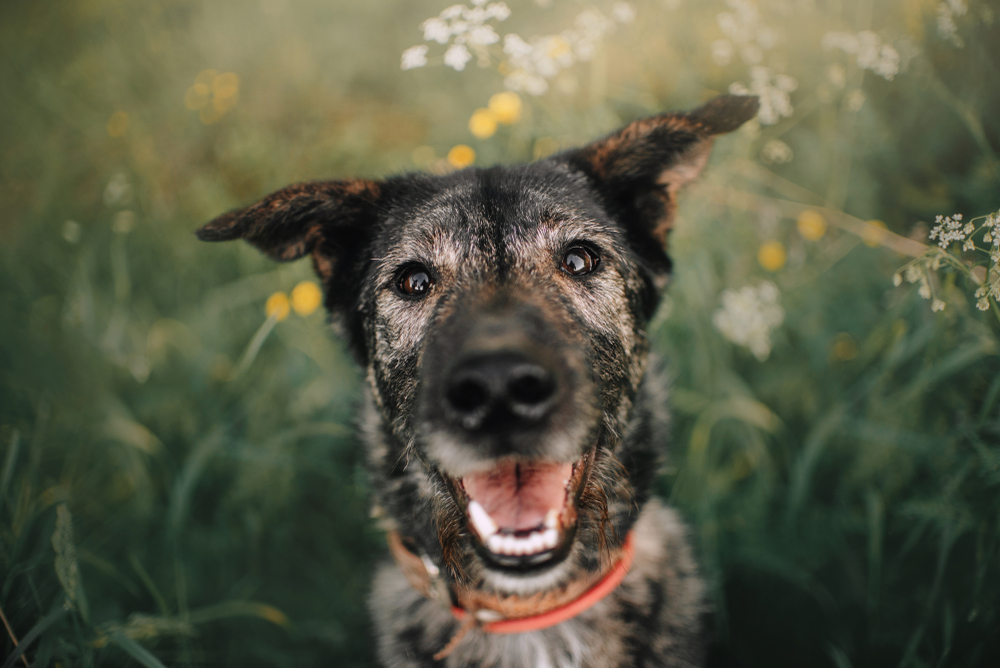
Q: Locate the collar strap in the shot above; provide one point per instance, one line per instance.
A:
(423, 576)
(607, 584)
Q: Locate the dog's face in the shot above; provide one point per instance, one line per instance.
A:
(500, 315)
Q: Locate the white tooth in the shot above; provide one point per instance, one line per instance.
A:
(552, 519)
(518, 547)
(549, 538)
(495, 544)
(509, 543)
(535, 543)
(481, 520)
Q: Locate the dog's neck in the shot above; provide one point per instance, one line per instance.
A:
(495, 613)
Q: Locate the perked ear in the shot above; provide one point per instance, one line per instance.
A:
(331, 220)
(640, 168)
(319, 217)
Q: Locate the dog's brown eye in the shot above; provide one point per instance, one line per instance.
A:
(415, 281)
(579, 261)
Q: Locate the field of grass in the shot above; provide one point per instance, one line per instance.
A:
(180, 483)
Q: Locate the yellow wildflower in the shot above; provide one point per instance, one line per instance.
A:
(812, 224)
(506, 107)
(277, 306)
(483, 123)
(461, 156)
(772, 255)
(306, 297)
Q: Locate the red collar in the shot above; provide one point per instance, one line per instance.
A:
(424, 580)
(611, 579)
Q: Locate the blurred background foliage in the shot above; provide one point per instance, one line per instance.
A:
(179, 479)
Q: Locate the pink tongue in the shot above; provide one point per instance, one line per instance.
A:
(518, 496)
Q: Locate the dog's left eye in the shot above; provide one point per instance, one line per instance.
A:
(415, 281)
(579, 261)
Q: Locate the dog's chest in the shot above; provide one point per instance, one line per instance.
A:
(652, 618)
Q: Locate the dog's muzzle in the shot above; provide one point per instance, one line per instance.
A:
(507, 423)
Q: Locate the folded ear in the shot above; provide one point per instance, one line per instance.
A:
(330, 220)
(640, 169)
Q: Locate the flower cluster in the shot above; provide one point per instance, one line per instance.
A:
(868, 50)
(744, 32)
(946, 13)
(950, 230)
(463, 27)
(747, 34)
(776, 152)
(306, 297)
(749, 315)
(528, 64)
(772, 89)
(533, 63)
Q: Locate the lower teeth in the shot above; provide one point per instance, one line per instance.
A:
(536, 542)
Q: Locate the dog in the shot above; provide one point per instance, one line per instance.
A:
(514, 417)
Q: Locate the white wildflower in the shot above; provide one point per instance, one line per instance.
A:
(749, 315)
(983, 304)
(744, 29)
(776, 151)
(772, 90)
(949, 229)
(937, 305)
(946, 26)
(453, 12)
(415, 56)
(457, 56)
(534, 63)
(925, 288)
(459, 25)
(483, 35)
(436, 30)
(498, 10)
(527, 83)
(868, 50)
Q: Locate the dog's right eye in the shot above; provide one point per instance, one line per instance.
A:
(579, 261)
(415, 281)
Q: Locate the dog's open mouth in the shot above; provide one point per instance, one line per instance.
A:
(523, 513)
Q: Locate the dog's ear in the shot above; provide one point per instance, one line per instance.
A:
(330, 220)
(639, 169)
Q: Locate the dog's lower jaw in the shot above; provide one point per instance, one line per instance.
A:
(656, 612)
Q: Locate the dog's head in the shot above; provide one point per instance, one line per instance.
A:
(500, 315)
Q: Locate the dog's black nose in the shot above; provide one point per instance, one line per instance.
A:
(499, 391)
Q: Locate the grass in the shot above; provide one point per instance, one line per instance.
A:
(157, 507)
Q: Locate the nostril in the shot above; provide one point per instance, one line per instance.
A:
(531, 388)
(467, 395)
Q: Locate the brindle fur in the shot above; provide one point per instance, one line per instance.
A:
(492, 240)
